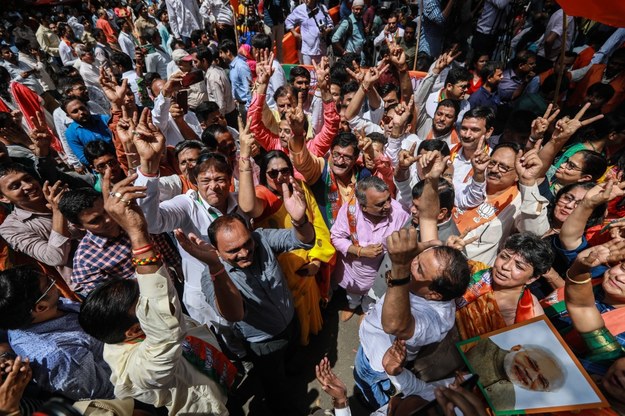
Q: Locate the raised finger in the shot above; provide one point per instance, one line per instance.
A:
(554, 115)
(581, 112)
(124, 112)
(591, 120)
(548, 110)
(106, 183)
(144, 116)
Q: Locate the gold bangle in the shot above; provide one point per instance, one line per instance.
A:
(577, 282)
(358, 252)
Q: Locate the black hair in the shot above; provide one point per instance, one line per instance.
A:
(489, 69)
(67, 100)
(299, 71)
(205, 108)
(123, 60)
(485, 113)
(66, 84)
(150, 77)
(74, 201)
(268, 157)
(455, 273)
(447, 102)
(196, 35)
(19, 289)
(522, 57)
(457, 74)
(612, 122)
(387, 88)
(596, 217)
(227, 45)
(149, 34)
(108, 312)
(8, 168)
(351, 86)
(262, 41)
(595, 164)
(214, 160)
(378, 137)
(209, 135)
(411, 24)
(507, 145)
(98, 148)
(225, 221)
(188, 144)
(6, 120)
(601, 90)
(430, 145)
(283, 91)
(346, 139)
(536, 251)
(204, 53)
(23, 45)
(550, 84)
(446, 193)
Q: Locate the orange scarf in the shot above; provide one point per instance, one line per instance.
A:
(472, 218)
(453, 138)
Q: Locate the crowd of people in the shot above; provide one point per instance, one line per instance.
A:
(179, 206)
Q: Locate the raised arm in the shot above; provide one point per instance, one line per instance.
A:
(309, 165)
(320, 144)
(433, 164)
(249, 203)
(578, 293)
(574, 226)
(367, 81)
(565, 129)
(265, 137)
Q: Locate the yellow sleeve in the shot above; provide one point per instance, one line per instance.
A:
(323, 249)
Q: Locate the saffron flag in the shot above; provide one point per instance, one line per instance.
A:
(609, 12)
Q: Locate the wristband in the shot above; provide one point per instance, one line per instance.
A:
(147, 261)
(143, 249)
(298, 225)
(577, 282)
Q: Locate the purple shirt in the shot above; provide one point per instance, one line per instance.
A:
(357, 274)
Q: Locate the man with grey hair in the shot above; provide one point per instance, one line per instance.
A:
(359, 235)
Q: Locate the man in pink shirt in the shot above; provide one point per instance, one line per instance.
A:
(359, 236)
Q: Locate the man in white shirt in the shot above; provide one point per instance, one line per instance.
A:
(418, 307)
(157, 59)
(218, 85)
(89, 71)
(127, 41)
(184, 18)
(220, 14)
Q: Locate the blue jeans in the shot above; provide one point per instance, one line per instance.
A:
(374, 385)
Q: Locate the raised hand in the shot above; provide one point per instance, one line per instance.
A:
(433, 164)
(528, 165)
(125, 128)
(119, 203)
(18, 374)
(566, 127)
(397, 55)
(114, 92)
(329, 381)
(603, 193)
(402, 114)
(480, 160)
(294, 202)
(264, 67)
(541, 124)
(246, 140)
(445, 60)
(394, 358)
(322, 71)
(53, 194)
(458, 241)
(198, 248)
(358, 75)
(407, 157)
(149, 141)
(39, 136)
(296, 117)
(609, 253)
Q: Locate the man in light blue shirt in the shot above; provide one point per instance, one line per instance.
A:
(355, 40)
(240, 75)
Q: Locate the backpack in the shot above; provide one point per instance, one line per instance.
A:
(346, 35)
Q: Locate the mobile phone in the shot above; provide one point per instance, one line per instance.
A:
(191, 78)
(467, 384)
(182, 99)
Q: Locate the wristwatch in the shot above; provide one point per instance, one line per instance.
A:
(390, 282)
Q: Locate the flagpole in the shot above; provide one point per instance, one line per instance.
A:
(561, 58)
(416, 52)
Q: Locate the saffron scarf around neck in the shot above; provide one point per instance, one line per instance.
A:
(468, 220)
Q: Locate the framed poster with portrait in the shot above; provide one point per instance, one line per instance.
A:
(527, 368)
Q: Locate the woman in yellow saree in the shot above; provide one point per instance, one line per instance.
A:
(307, 271)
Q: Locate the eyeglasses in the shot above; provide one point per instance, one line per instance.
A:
(566, 199)
(500, 167)
(571, 166)
(103, 165)
(463, 86)
(52, 283)
(273, 174)
(80, 88)
(346, 158)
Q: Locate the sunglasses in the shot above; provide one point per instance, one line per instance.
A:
(273, 174)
